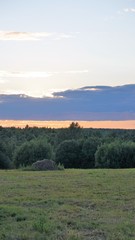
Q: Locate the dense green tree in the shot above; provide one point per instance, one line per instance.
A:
(11, 140)
(5, 162)
(30, 152)
(127, 155)
(68, 153)
(74, 125)
(117, 154)
(88, 152)
(74, 131)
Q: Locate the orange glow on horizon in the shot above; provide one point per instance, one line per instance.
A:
(129, 124)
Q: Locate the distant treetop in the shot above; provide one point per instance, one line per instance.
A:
(74, 125)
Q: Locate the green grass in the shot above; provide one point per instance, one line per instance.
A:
(67, 205)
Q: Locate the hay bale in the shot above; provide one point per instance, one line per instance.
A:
(44, 165)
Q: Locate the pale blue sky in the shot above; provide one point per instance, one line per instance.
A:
(50, 45)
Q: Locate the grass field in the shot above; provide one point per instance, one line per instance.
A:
(67, 205)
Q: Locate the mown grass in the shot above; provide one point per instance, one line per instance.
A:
(67, 205)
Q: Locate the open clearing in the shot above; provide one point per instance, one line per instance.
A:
(67, 205)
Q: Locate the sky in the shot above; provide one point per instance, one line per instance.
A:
(53, 45)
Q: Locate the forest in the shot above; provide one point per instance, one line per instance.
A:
(72, 147)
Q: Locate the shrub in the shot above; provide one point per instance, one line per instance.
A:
(30, 152)
(88, 150)
(68, 153)
(60, 166)
(5, 162)
(116, 155)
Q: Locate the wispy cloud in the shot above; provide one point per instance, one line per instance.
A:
(126, 11)
(33, 36)
(129, 10)
(76, 71)
(8, 74)
(24, 36)
(91, 89)
(35, 74)
(12, 92)
(63, 35)
(121, 12)
(2, 81)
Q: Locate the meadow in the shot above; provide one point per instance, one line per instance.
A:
(67, 205)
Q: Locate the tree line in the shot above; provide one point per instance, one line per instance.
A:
(73, 147)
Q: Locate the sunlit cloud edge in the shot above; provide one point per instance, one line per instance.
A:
(33, 36)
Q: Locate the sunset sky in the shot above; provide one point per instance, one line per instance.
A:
(54, 45)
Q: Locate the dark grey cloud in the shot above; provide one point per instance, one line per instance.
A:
(87, 103)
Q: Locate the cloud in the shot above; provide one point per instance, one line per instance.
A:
(129, 10)
(76, 71)
(8, 74)
(106, 95)
(87, 103)
(35, 74)
(24, 36)
(63, 35)
(91, 89)
(32, 36)
(51, 93)
(12, 92)
(2, 81)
